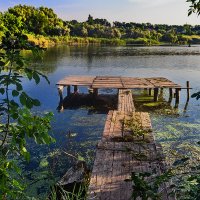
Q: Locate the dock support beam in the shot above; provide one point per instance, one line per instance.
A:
(188, 90)
(75, 88)
(170, 95)
(150, 91)
(68, 90)
(188, 95)
(60, 92)
(95, 92)
(161, 93)
(156, 90)
(177, 92)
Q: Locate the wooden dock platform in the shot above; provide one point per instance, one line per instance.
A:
(94, 83)
(122, 151)
(117, 82)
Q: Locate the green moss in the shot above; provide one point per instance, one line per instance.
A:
(143, 98)
(154, 104)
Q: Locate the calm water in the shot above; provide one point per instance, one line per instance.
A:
(178, 64)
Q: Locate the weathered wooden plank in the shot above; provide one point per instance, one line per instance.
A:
(115, 161)
(117, 166)
(118, 82)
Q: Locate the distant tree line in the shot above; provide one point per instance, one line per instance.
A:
(43, 21)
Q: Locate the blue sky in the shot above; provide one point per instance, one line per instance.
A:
(153, 11)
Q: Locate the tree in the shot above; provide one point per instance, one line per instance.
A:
(40, 20)
(90, 20)
(12, 23)
(17, 122)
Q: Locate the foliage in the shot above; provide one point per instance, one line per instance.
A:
(194, 7)
(40, 20)
(78, 192)
(135, 126)
(196, 95)
(18, 123)
(45, 28)
(146, 186)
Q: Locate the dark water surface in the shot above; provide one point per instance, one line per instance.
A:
(178, 64)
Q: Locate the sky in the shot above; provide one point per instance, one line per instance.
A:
(172, 12)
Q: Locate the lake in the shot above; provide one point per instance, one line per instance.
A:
(179, 64)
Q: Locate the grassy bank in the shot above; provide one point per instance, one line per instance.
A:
(45, 42)
(52, 41)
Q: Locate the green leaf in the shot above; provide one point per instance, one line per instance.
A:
(29, 103)
(36, 102)
(17, 184)
(15, 115)
(7, 63)
(25, 153)
(36, 77)
(29, 73)
(22, 99)
(46, 138)
(2, 91)
(45, 77)
(20, 63)
(15, 93)
(19, 87)
(194, 95)
(13, 103)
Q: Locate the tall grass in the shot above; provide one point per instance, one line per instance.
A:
(78, 192)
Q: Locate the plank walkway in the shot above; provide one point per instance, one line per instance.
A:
(122, 151)
(118, 82)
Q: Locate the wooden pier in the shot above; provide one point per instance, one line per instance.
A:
(127, 143)
(94, 83)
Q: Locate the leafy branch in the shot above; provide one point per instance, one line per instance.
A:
(18, 122)
(194, 7)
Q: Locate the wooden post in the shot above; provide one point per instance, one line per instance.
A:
(177, 95)
(156, 90)
(161, 93)
(150, 91)
(186, 105)
(95, 92)
(60, 92)
(90, 90)
(188, 90)
(170, 95)
(68, 90)
(75, 88)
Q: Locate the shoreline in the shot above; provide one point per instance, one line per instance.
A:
(47, 42)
